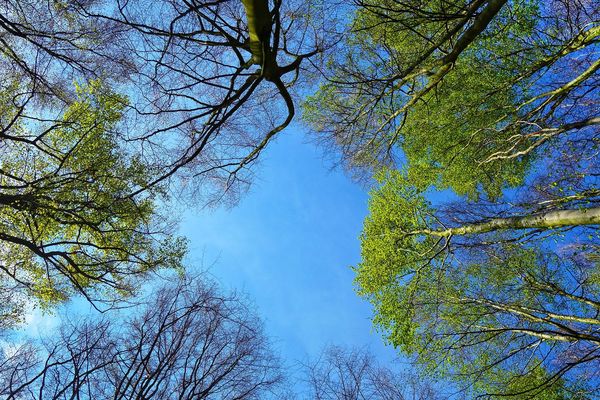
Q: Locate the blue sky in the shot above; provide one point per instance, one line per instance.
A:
(289, 245)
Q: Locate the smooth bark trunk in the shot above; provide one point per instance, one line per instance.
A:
(547, 220)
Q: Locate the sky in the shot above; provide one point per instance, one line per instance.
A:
(289, 245)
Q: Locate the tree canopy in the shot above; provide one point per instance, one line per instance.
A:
(355, 374)
(188, 340)
(479, 120)
(515, 309)
(479, 250)
(107, 108)
(468, 93)
(68, 221)
(211, 83)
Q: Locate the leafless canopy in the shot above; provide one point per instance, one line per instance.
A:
(203, 99)
(188, 341)
(354, 374)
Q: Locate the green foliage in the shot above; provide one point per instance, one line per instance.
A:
(495, 101)
(382, 112)
(390, 257)
(478, 311)
(449, 134)
(69, 223)
(534, 384)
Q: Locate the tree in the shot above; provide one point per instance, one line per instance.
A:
(46, 46)
(498, 102)
(187, 341)
(474, 94)
(84, 167)
(213, 82)
(508, 305)
(68, 222)
(353, 374)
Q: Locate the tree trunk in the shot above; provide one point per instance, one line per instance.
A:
(547, 220)
(259, 28)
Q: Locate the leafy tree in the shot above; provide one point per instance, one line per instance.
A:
(68, 222)
(510, 304)
(495, 102)
(472, 95)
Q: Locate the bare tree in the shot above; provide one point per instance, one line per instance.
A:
(354, 374)
(213, 82)
(187, 341)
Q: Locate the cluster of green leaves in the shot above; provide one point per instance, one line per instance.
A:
(447, 141)
(475, 311)
(444, 136)
(69, 221)
(392, 256)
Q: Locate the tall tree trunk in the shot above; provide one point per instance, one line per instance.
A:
(259, 28)
(547, 220)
